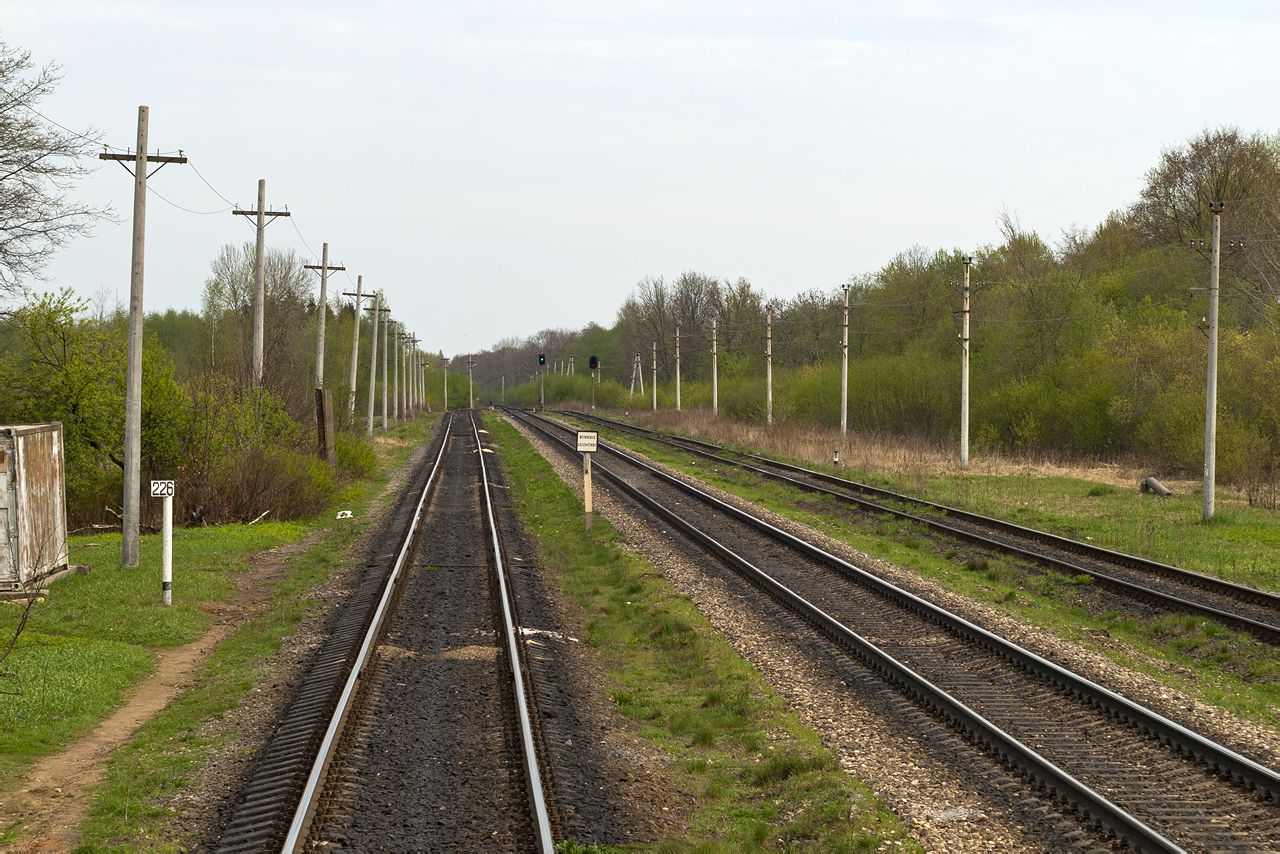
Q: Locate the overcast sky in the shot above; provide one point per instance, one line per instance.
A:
(499, 168)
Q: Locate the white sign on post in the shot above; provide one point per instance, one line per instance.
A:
(164, 489)
(587, 440)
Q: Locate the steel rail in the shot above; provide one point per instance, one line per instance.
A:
(1097, 808)
(305, 810)
(1214, 755)
(1266, 631)
(529, 752)
(1226, 762)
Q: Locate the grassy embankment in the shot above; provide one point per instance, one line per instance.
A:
(97, 637)
(1203, 659)
(702, 704)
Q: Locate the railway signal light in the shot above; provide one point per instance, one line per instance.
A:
(542, 359)
(595, 363)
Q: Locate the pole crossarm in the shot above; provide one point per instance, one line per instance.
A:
(238, 212)
(162, 159)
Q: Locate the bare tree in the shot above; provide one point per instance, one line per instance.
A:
(39, 162)
(1221, 165)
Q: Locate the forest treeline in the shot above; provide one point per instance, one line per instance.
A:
(237, 450)
(1088, 345)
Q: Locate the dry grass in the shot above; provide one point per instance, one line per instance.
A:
(907, 461)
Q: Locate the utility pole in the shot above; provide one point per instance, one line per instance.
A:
(360, 296)
(715, 372)
(386, 354)
(655, 376)
(446, 386)
(415, 388)
(640, 371)
(677, 367)
(324, 269)
(471, 395)
(768, 366)
(373, 361)
(964, 368)
(396, 345)
(844, 372)
(260, 280)
(132, 504)
(1211, 382)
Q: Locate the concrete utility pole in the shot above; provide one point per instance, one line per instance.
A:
(324, 269)
(677, 367)
(844, 372)
(373, 361)
(768, 366)
(1211, 383)
(386, 354)
(260, 278)
(132, 503)
(964, 368)
(415, 376)
(640, 371)
(655, 376)
(360, 296)
(715, 372)
(395, 374)
(471, 395)
(571, 366)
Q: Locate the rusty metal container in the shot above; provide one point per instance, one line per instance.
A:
(33, 505)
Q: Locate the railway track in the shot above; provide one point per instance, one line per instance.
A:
(1167, 587)
(415, 730)
(1123, 769)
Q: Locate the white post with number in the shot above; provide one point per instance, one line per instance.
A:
(587, 442)
(164, 489)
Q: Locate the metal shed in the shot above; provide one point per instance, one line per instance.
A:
(33, 505)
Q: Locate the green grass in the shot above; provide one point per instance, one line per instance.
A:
(97, 636)
(1200, 658)
(760, 779)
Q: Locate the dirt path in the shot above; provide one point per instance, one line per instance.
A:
(57, 794)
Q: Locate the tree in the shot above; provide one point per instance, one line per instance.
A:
(1221, 165)
(38, 165)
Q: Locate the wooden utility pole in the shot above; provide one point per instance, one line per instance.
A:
(1211, 381)
(715, 372)
(677, 367)
(964, 368)
(324, 269)
(844, 371)
(260, 277)
(132, 503)
(768, 366)
(360, 296)
(373, 361)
